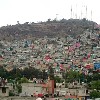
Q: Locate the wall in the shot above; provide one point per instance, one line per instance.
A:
(78, 92)
(17, 98)
(30, 89)
(10, 85)
(4, 94)
(25, 98)
(82, 92)
(51, 86)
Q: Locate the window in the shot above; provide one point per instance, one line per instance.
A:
(77, 91)
(3, 90)
(86, 91)
(75, 83)
(83, 99)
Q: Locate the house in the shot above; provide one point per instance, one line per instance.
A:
(29, 89)
(77, 92)
(4, 91)
(77, 89)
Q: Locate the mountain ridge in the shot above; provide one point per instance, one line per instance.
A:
(49, 28)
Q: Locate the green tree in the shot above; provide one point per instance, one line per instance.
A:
(72, 76)
(44, 75)
(23, 80)
(51, 73)
(57, 79)
(95, 77)
(49, 20)
(95, 94)
(19, 88)
(95, 85)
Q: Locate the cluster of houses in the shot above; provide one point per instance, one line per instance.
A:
(74, 90)
(80, 54)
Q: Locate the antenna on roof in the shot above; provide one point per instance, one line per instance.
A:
(81, 14)
(71, 11)
(86, 12)
(91, 15)
(56, 17)
(76, 11)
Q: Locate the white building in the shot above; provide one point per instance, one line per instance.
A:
(29, 89)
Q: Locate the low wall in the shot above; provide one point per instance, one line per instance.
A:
(17, 98)
(26, 98)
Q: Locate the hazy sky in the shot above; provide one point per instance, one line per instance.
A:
(12, 11)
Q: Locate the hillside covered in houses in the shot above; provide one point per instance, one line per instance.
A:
(66, 51)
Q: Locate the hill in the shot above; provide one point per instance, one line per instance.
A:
(49, 28)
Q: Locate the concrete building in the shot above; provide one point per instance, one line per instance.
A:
(34, 89)
(4, 91)
(29, 89)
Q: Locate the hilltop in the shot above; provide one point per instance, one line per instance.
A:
(49, 28)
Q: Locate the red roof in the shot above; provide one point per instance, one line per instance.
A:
(40, 95)
(70, 97)
(88, 66)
